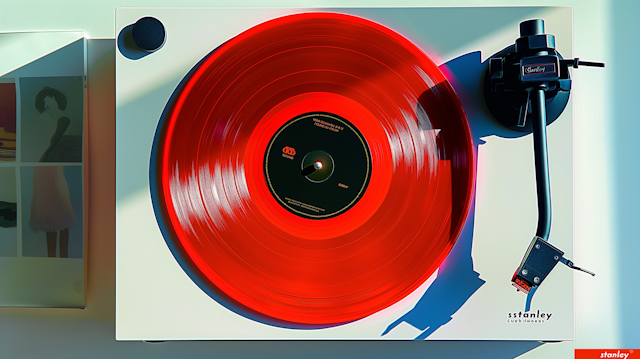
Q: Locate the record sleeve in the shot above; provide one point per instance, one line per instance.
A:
(43, 222)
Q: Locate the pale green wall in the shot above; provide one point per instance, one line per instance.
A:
(605, 170)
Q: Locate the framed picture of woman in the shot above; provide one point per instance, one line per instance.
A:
(51, 119)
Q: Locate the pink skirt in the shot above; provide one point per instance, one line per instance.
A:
(51, 209)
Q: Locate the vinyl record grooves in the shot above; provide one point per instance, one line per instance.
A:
(336, 89)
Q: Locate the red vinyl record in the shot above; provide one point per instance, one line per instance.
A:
(317, 168)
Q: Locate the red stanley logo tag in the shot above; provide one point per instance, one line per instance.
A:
(289, 151)
(605, 353)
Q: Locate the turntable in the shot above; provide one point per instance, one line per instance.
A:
(330, 174)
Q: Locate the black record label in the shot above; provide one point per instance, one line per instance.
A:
(317, 165)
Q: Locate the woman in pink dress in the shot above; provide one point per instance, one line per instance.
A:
(51, 209)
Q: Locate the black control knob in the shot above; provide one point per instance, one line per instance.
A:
(149, 34)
